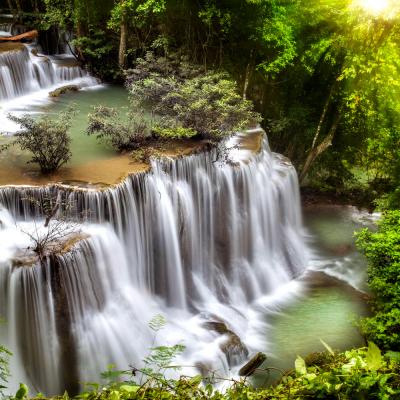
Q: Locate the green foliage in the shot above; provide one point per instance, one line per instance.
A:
(46, 138)
(136, 12)
(22, 392)
(124, 132)
(174, 100)
(382, 249)
(189, 103)
(4, 368)
(177, 132)
(292, 58)
(356, 374)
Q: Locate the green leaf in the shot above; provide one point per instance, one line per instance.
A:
(300, 366)
(196, 380)
(374, 357)
(22, 391)
(114, 395)
(393, 355)
(129, 388)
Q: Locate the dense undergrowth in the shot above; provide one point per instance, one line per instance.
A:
(357, 374)
(382, 249)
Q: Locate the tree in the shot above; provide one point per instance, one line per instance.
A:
(133, 14)
(357, 56)
(46, 138)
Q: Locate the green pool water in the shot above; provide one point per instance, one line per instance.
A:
(84, 148)
(87, 148)
(327, 308)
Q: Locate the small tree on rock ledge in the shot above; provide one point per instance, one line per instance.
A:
(46, 138)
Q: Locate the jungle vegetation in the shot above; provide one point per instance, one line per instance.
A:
(322, 74)
(324, 80)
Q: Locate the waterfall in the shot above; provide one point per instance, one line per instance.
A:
(196, 239)
(26, 78)
(23, 72)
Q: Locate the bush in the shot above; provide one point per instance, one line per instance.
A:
(181, 101)
(128, 132)
(46, 138)
(382, 249)
(189, 100)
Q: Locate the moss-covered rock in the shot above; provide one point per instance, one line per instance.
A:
(64, 89)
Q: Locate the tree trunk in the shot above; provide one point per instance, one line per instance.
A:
(318, 150)
(247, 76)
(122, 41)
(322, 119)
(19, 8)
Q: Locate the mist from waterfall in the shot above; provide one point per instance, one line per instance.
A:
(197, 240)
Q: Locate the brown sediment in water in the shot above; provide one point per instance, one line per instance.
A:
(99, 173)
(11, 46)
(102, 173)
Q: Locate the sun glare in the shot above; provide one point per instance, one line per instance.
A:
(375, 6)
(382, 8)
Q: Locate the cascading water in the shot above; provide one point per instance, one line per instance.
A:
(27, 77)
(23, 72)
(197, 240)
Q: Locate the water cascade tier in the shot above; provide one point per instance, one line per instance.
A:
(27, 77)
(196, 239)
(23, 71)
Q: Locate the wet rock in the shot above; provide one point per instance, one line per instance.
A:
(232, 347)
(60, 246)
(64, 89)
(251, 366)
(24, 261)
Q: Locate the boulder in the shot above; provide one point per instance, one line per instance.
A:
(64, 89)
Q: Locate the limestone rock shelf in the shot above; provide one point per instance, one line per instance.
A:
(102, 173)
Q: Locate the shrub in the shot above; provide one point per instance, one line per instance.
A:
(127, 132)
(189, 100)
(46, 138)
(177, 132)
(382, 249)
(182, 100)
